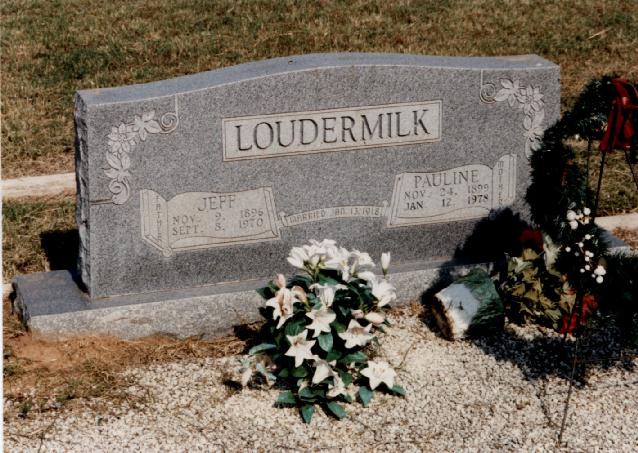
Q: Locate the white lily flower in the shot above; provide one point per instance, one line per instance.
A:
(385, 262)
(337, 389)
(326, 293)
(568, 249)
(282, 304)
(599, 279)
(361, 261)
(379, 372)
(368, 276)
(339, 260)
(571, 215)
(375, 318)
(356, 335)
(321, 320)
(298, 257)
(300, 294)
(586, 211)
(300, 348)
(357, 314)
(600, 270)
(573, 224)
(323, 370)
(384, 292)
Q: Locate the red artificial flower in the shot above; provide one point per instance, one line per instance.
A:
(532, 239)
(588, 307)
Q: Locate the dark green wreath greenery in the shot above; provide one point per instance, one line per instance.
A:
(558, 185)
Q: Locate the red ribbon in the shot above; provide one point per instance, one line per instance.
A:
(620, 124)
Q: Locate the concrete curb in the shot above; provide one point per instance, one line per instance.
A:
(38, 186)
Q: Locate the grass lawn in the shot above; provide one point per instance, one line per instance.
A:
(51, 49)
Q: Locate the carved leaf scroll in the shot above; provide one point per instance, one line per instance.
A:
(122, 141)
(525, 97)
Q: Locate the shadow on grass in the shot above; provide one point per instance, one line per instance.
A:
(61, 248)
(604, 344)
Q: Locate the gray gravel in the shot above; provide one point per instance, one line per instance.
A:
(460, 398)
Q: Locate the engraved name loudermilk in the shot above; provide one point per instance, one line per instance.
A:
(253, 137)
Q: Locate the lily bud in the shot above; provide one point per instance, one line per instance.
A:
(385, 262)
(280, 281)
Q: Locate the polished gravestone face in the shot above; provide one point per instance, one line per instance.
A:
(213, 177)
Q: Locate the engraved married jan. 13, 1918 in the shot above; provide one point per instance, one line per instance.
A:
(253, 137)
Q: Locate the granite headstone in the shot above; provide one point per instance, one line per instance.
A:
(193, 188)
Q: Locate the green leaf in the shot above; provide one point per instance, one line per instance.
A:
(338, 327)
(345, 311)
(327, 280)
(333, 355)
(307, 411)
(365, 395)
(345, 377)
(295, 327)
(355, 357)
(286, 398)
(300, 372)
(284, 373)
(325, 341)
(267, 292)
(261, 347)
(398, 390)
(306, 393)
(336, 409)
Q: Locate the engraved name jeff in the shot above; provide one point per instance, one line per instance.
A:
(284, 134)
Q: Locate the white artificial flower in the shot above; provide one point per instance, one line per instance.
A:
(326, 293)
(375, 318)
(300, 348)
(582, 271)
(357, 314)
(586, 211)
(588, 237)
(573, 224)
(339, 260)
(282, 305)
(300, 294)
(337, 389)
(298, 257)
(361, 261)
(587, 257)
(385, 262)
(379, 372)
(280, 281)
(321, 320)
(568, 249)
(571, 215)
(368, 276)
(581, 245)
(323, 370)
(599, 279)
(587, 267)
(600, 270)
(384, 292)
(356, 335)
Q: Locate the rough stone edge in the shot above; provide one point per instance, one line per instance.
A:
(202, 316)
(82, 208)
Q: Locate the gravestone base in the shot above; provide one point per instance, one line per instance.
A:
(51, 303)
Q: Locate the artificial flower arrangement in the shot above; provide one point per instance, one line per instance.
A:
(318, 325)
(557, 284)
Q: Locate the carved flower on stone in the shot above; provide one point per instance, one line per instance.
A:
(121, 139)
(145, 124)
(511, 92)
(532, 100)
